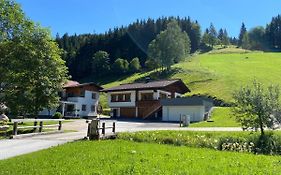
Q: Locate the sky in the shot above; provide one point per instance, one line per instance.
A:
(97, 16)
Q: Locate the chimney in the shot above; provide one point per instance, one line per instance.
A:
(147, 79)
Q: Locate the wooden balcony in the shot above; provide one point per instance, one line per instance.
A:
(147, 107)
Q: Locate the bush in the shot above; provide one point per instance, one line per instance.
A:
(267, 144)
(57, 115)
(106, 111)
(120, 66)
(238, 142)
(134, 65)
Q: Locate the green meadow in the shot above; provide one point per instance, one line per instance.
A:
(220, 72)
(127, 157)
(220, 117)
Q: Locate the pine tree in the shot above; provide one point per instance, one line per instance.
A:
(243, 30)
(212, 35)
(220, 36)
(225, 38)
(206, 37)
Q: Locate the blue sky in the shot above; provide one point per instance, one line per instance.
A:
(88, 16)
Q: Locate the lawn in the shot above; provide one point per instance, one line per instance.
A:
(127, 157)
(220, 117)
(219, 73)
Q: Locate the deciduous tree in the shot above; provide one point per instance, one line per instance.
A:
(170, 46)
(257, 106)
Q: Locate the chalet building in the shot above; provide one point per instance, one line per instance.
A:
(142, 100)
(77, 100)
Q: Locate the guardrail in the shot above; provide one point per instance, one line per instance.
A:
(35, 126)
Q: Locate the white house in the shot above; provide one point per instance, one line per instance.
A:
(142, 100)
(78, 100)
(197, 108)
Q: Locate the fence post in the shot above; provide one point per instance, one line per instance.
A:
(35, 124)
(93, 131)
(41, 126)
(60, 125)
(180, 120)
(113, 127)
(103, 128)
(15, 128)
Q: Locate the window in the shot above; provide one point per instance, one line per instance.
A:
(162, 96)
(113, 97)
(82, 93)
(93, 108)
(121, 97)
(84, 107)
(127, 97)
(94, 95)
(146, 96)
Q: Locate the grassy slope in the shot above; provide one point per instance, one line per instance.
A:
(125, 157)
(221, 117)
(220, 72)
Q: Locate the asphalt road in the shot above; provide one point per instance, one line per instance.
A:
(14, 147)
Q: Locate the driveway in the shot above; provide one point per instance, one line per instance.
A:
(14, 147)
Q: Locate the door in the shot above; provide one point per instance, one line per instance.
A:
(114, 113)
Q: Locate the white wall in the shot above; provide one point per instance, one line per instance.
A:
(132, 103)
(87, 100)
(173, 113)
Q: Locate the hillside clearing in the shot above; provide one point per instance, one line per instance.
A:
(219, 74)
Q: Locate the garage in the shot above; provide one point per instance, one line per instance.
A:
(197, 108)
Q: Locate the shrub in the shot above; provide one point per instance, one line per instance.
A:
(134, 65)
(120, 66)
(57, 115)
(238, 142)
(106, 111)
(267, 144)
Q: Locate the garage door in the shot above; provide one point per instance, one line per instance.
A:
(173, 113)
(127, 112)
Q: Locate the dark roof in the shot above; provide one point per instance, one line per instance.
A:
(83, 84)
(148, 85)
(185, 101)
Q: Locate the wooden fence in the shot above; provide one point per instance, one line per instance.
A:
(35, 126)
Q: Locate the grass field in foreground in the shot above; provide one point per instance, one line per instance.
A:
(221, 117)
(126, 157)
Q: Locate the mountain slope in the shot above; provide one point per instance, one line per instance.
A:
(220, 73)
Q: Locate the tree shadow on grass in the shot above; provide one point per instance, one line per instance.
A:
(160, 75)
(112, 77)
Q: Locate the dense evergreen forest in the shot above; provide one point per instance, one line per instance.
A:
(132, 41)
(123, 42)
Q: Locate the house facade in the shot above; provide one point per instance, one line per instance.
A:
(77, 100)
(142, 100)
(80, 100)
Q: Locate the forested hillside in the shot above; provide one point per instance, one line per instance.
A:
(122, 42)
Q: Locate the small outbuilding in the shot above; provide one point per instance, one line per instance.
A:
(197, 108)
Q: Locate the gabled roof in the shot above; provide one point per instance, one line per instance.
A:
(149, 85)
(72, 84)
